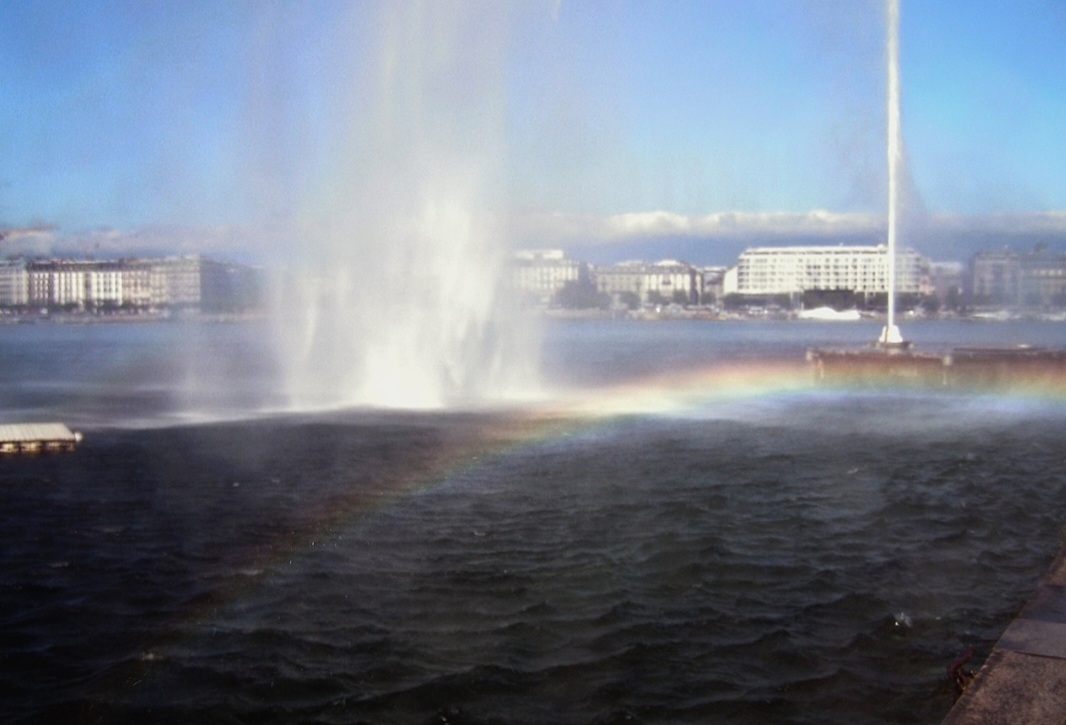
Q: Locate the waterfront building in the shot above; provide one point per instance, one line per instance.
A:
(180, 281)
(14, 283)
(104, 285)
(1007, 277)
(995, 277)
(714, 284)
(540, 274)
(947, 280)
(57, 283)
(138, 289)
(68, 285)
(76, 284)
(1044, 279)
(176, 283)
(665, 281)
(729, 282)
(859, 269)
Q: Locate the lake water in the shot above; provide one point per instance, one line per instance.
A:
(679, 529)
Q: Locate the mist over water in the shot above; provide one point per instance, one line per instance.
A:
(395, 297)
(812, 556)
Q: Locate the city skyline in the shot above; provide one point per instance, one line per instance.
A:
(612, 130)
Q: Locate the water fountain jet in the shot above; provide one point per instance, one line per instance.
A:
(396, 297)
(890, 334)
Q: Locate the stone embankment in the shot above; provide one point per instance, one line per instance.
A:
(1024, 679)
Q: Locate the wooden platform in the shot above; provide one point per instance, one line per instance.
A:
(37, 438)
(1024, 679)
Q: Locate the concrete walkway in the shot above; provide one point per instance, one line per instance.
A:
(1023, 681)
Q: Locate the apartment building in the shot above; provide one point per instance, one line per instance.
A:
(170, 283)
(1007, 277)
(14, 283)
(861, 269)
(539, 274)
(667, 280)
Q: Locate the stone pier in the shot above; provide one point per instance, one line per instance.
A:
(1024, 679)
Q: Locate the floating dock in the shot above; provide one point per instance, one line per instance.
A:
(1024, 679)
(37, 438)
(965, 367)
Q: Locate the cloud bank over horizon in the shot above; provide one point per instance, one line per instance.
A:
(689, 131)
(708, 239)
(718, 238)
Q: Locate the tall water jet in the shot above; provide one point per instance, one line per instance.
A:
(396, 297)
(890, 334)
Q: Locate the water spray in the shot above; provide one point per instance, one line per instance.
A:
(890, 335)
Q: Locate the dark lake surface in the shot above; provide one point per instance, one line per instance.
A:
(782, 555)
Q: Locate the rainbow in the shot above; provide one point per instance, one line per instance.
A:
(709, 389)
(497, 433)
(492, 435)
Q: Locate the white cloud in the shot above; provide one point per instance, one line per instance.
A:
(109, 242)
(585, 229)
(26, 240)
(1022, 223)
(938, 236)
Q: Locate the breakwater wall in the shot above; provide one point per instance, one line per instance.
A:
(1024, 679)
(965, 368)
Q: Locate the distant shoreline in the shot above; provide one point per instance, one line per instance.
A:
(704, 315)
(664, 315)
(86, 318)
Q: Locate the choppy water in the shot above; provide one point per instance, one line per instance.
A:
(813, 558)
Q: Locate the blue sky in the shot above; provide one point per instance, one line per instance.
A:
(613, 129)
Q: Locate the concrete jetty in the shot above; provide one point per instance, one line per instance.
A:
(37, 438)
(959, 368)
(1024, 679)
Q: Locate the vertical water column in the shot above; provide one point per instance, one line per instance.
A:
(397, 294)
(890, 335)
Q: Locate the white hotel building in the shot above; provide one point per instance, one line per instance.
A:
(794, 270)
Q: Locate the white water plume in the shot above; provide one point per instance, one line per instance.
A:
(891, 333)
(397, 298)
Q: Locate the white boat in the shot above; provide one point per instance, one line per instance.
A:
(37, 438)
(829, 314)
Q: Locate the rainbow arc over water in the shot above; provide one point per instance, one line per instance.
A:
(720, 389)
